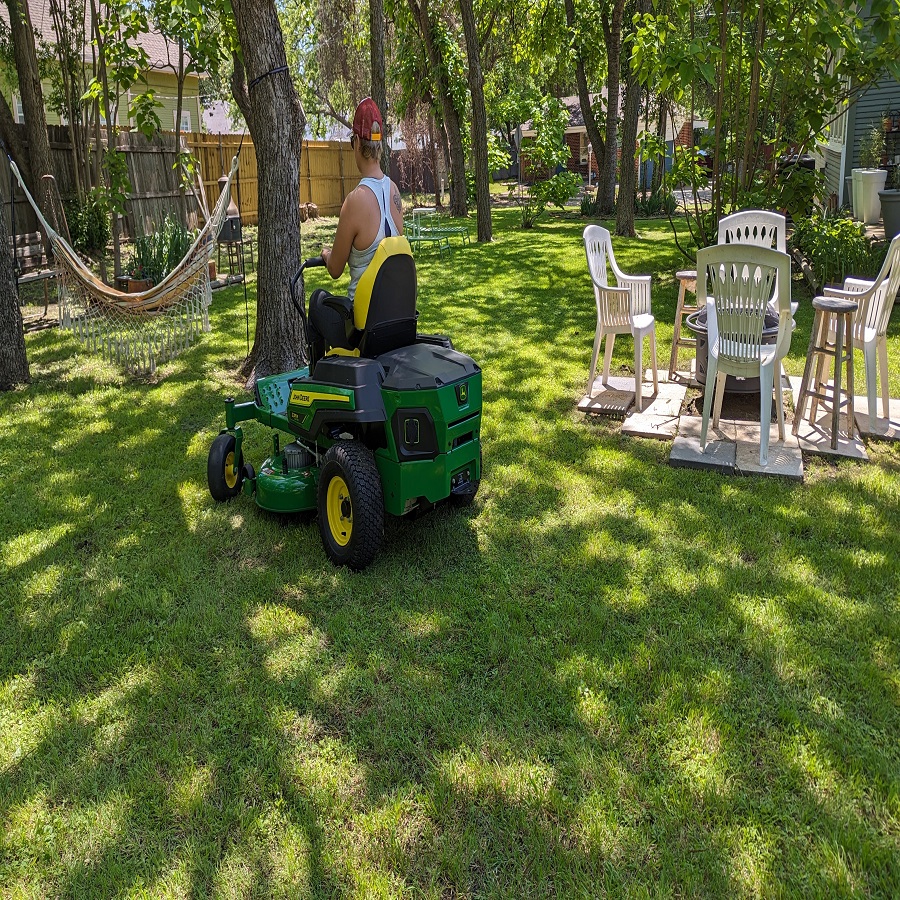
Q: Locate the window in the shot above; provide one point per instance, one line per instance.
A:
(838, 128)
(185, 119)
(19, 110)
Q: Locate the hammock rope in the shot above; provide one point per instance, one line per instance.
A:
(137, 331)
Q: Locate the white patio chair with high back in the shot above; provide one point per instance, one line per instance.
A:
(624, 309)
(750, 227)
(738, 280)
(758, 227)
(870, 321)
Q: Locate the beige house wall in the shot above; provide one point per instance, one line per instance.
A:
(165, 87)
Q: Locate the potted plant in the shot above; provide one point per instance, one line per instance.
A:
(868, 180)
(136, 281)
(890, 205)
(157, 254)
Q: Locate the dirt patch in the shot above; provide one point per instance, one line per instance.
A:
(736, 407)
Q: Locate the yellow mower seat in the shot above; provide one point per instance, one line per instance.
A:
(383, 310)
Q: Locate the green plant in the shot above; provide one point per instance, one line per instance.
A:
(835, 246)
(797, 188)
(588, 205)
(88, 222)
(871, 148)
(661, 202)
(471, 191)
(556, 190)
(157, 254)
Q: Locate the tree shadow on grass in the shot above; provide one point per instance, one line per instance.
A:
(608, 676)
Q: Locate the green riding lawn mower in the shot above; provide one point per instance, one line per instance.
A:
(383, 420)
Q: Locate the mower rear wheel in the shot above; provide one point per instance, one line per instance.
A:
(351, 505)
(223, 472)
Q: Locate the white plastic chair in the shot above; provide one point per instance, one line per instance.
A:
(754, 226)
(624, 309)
(738, 281)
(760, 228)
(870, 322)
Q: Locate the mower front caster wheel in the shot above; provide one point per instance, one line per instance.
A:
(224, 473)
(351, 505)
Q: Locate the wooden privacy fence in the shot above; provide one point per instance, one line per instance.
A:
(327, 174)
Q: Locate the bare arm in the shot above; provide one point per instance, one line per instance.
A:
(397, 211)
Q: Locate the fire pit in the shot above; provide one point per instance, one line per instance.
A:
(697, 324)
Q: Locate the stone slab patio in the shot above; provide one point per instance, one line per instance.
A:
(785, 457)
(721, 447)
(659, 418)
(885, 429)
(614, 398)
(733, 449)
(815, 437)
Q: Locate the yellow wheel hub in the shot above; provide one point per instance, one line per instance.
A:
(340, 511)
(231, 474)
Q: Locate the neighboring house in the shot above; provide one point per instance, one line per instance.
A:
(582, 155)
(163, 58)
(839, 148)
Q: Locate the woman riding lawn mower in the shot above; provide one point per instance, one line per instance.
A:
(385, 420)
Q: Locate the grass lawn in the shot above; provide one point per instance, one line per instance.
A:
(607, 678)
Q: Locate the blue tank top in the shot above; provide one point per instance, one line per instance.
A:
(359, 260)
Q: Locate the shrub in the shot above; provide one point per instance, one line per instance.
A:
(797, 189)
(157, 254)
(661, 202)
(835, 246)
(88, 223)
(588, 205)
(556, 190)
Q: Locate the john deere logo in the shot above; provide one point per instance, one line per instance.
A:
(462, 393)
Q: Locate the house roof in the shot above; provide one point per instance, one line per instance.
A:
(573, 107)
(576, 119)
(162, 53)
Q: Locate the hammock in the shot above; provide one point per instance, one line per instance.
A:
(137, 331)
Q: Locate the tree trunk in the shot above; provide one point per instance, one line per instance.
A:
(445, 153)
(65, 42)
(179, 103)
(449, 111)
(435, 167)
(379, 87)
(10, 133)
(112, 112)
(584, 95)
(479, 122)
(625, 206)
(659, 164)
(13, 361)
(32, 97)
(606, 182)
(270, 105)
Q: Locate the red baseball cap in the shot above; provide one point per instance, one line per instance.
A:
(367, 122)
